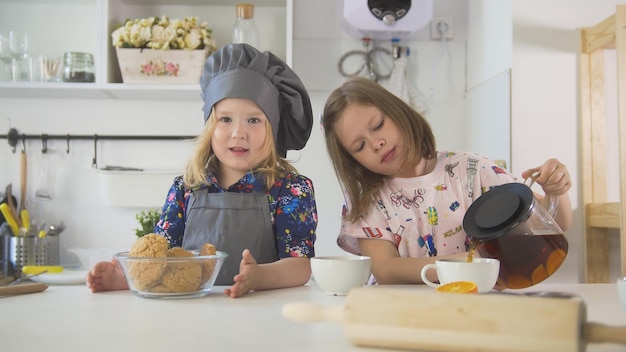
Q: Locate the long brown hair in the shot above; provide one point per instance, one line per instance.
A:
(360, 183)
(203, 161)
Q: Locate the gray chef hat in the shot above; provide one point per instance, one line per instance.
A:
(241, 71)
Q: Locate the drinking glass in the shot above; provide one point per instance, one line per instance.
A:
(52, 66)
(18, 46)
(6, 57)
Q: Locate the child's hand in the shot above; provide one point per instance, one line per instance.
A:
(245, 281)
(106, 276)
(553, 177)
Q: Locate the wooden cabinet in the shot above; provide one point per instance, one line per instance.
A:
(57, 26)
(600, 216)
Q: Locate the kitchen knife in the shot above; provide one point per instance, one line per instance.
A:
(419, 320)
(4, 200)
(9, 218)
(11, 204)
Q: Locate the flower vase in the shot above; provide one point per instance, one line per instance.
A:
(161, 66)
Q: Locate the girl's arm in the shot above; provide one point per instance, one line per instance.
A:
(564, 212)
(286, 272)
(171, 225)
(389, 268)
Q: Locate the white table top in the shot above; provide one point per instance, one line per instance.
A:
(70, 318)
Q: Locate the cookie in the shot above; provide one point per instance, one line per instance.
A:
(179, 278)
(208, 265)
(146, 275)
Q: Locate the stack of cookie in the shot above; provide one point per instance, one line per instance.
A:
(169, 275)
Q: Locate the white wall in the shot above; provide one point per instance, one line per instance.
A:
(432, 65)
(489, 60)
(77, 190)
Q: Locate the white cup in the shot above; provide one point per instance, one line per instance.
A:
(481, 271)
(336, 275)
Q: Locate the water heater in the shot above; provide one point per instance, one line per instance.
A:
(386, 19)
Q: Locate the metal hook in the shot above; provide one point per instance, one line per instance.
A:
(94, 163)
(67, 151)
(44, 143)
(12, 139)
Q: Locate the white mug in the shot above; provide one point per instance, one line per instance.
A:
(482, 271)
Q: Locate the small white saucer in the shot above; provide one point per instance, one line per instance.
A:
(66, 277)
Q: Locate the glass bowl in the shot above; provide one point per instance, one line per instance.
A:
(171, 277)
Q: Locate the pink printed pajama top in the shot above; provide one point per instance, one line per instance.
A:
(423, 216)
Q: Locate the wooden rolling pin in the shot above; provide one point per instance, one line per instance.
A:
(22, 289)
(414, 320)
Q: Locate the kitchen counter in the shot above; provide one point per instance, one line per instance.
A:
(71, 318)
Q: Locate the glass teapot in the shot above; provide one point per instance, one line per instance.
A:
(509, 224)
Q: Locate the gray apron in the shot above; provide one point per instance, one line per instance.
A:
(231, 222)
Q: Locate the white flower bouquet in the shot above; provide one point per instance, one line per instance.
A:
(160, 50)
(161, 33)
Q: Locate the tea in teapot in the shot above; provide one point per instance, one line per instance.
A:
(507, 223)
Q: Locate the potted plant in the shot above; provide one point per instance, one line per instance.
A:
(162, 50)
(147, 220)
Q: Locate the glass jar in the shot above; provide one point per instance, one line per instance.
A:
(78, 67)
(245, 30)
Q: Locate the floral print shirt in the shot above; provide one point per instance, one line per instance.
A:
(292, 209)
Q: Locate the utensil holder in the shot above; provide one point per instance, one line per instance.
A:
(33, 251)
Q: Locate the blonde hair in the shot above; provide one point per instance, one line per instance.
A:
(360, 183)
(203, 161)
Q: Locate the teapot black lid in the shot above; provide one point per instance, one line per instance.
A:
(499, 210)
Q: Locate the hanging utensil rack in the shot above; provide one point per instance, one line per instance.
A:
(13, 137)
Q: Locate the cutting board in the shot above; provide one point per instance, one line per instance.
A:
(418, 320)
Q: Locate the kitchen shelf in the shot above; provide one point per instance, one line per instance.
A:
(201, 2)
(95, 91)
(152, 91)
(51, 90)
(48, 1)
(600, 215)
(274, 19)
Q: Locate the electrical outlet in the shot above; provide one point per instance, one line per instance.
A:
(441, 25)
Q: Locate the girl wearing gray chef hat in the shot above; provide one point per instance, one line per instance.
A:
(238, 192)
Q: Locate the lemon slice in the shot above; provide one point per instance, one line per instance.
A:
(458, 287)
